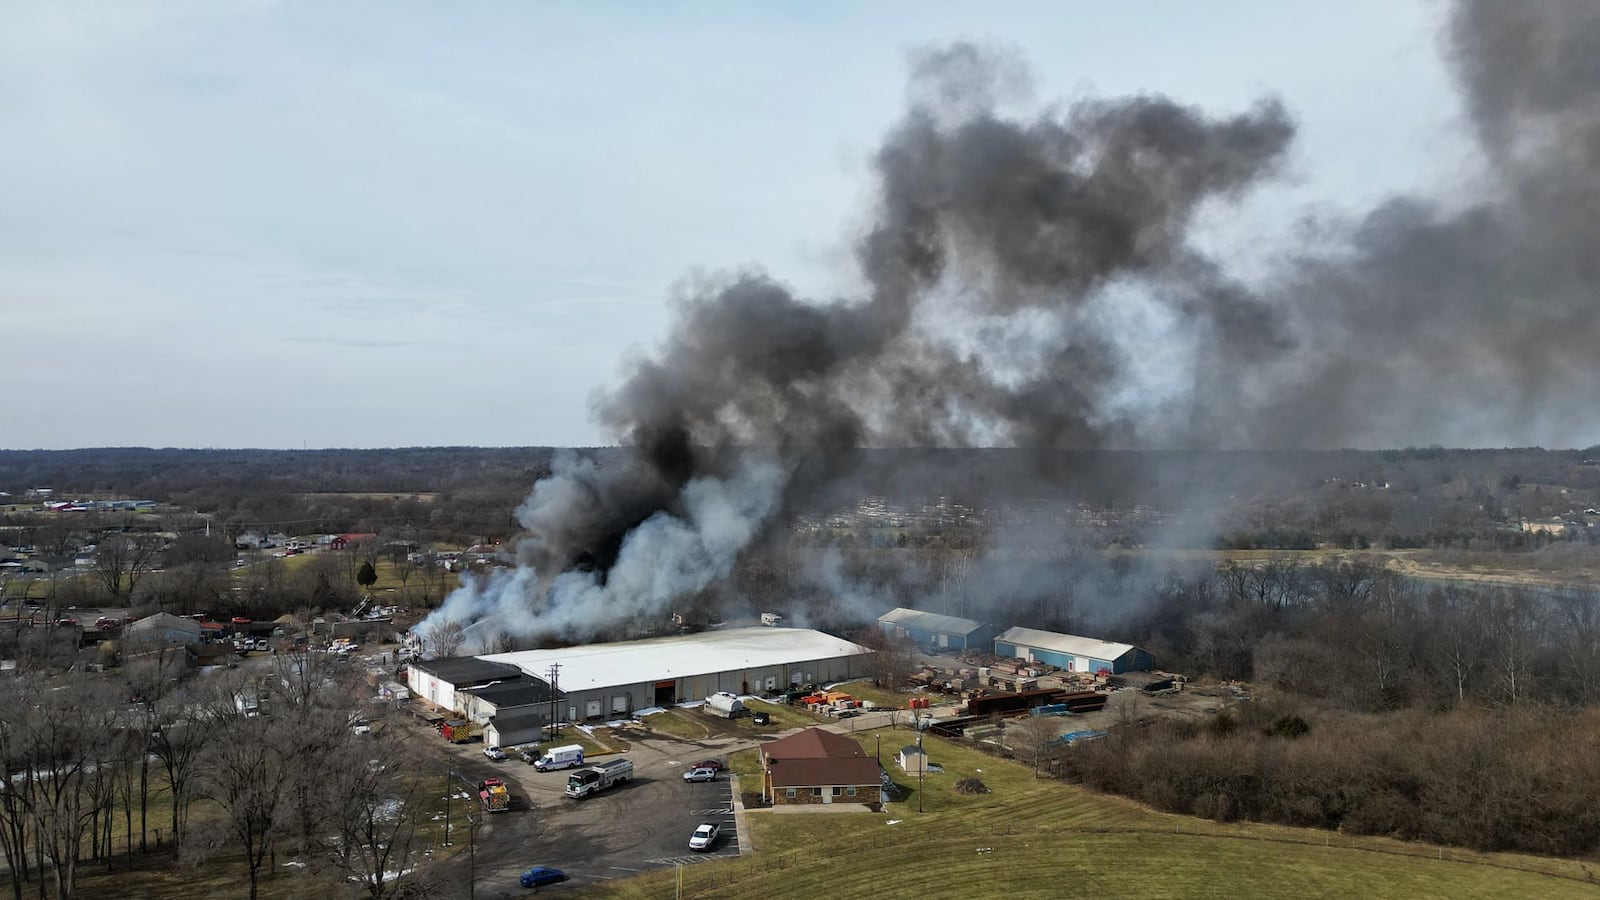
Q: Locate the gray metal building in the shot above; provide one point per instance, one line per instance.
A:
(600, 681)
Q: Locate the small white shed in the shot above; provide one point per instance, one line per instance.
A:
(913, 760)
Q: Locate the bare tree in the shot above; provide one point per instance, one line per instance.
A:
(401, 564)
(152, 670)
(65, 732)
(247, 773)
(1578, 642)
(16, 806)
(1515, 631)
(1035, 739)
(890, 661)
(445, 639)
(1456, 646)
(121, 560)
(377, 812)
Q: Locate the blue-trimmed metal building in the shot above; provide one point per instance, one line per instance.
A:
(952, 632)
(1071, 652)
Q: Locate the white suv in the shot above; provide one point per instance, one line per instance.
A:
(495, 753)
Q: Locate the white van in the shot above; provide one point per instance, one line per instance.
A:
(568, 757)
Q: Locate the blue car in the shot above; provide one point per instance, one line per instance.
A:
(542, 875)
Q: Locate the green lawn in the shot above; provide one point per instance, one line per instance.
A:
(1033, 838)
(745, 762)
(683, 723)
(782, 717)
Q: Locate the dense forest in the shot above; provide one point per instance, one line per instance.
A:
(1416, 497)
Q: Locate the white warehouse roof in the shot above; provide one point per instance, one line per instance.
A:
(1064, 643)
(595, 666)
(928, 621)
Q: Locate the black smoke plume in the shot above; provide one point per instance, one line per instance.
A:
(1021, 273)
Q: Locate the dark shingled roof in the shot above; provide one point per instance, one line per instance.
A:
(518, 722)
(513, 693)
(813, 743)
(817, 758)
(863, 772)
(467, 670)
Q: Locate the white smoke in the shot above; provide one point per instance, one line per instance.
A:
(666, 558)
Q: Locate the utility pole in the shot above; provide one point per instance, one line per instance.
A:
(555, 704)
(472, 856)
(922, 765)
(449, 788)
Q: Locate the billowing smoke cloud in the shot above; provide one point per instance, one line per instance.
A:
(1017, 268)
(1462, 321)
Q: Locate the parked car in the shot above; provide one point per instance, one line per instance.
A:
(704, 837)
(495, 753)
(542, 875)
(700, 773)
(713, 764)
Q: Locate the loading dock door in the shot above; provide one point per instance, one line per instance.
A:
(592, 709)
(619, 703)
(664, 693)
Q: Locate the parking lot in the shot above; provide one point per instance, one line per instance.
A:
(631, 828)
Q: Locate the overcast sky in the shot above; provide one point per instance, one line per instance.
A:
(289, 224)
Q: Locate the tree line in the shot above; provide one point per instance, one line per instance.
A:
(229, 769)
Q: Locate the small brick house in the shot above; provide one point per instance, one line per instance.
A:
(816, 766)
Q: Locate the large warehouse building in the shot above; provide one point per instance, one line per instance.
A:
(598, 681)
(1071, 652)
(952, 632)
(438, 680)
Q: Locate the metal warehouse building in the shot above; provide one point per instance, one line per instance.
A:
(1071, 652)
(939, 630)
(438, 680)
(504, 698)
(603, 680)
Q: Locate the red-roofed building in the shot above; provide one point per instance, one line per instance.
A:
(347, 541)
(816, 766)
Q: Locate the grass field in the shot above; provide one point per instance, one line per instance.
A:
(1039, 838)
(681, 723)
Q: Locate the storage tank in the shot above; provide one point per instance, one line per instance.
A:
(726, 704)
